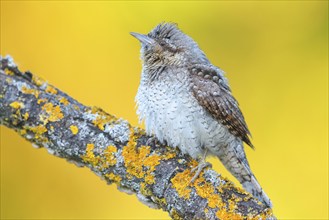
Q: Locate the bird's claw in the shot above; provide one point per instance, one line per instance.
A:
(152, 140)
(198, 169)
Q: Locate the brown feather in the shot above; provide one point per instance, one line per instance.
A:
(214, 94)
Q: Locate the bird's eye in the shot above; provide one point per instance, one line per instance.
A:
(167, 37)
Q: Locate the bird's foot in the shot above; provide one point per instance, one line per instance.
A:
(198, 169)
(153, 141)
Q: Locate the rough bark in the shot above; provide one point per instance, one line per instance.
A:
(119, 153)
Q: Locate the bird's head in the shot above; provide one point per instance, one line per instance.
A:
(167, 45)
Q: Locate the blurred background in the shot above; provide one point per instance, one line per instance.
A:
(275, 54)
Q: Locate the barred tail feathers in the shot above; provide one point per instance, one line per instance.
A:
(234, 159)
(256, 190)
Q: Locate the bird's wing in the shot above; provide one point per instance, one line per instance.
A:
(213, 93)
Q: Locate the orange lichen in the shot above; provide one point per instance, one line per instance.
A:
(54, 112)
(34, 92)
(74, 129)
(17, 105)
(50, 89)
(64, 101)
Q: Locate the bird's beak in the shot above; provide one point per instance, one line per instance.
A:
(144, 39)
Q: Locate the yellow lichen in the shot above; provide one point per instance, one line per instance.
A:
(9, 80)
(175, 215)
(113, 177)
(64, 101)
(110, 159)
(101, 161)
(37, 80)
(169, 154)
(180, 182)
(206, 190)
(224, 214)
(34, 92)
(102, 118)
(265, 214)
(232, 204)
(26, 116)
(22, 132)
(54, 112)
(17, 105)
(203, 188)
(149, 178)
(193, 163)
(230, 212)
(134, 158)
(89, 157)
(74, 129)
(38, 132)
(41, 100)
(151, 162)
(40, 129)
(99, 122)
(9, 72)
(144, 190)
(140, 162)
(51, 89)
(76, 107)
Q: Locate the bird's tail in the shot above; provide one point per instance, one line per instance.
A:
(256, 190)
(234, 159)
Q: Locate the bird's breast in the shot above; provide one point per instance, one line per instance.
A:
(172, 114)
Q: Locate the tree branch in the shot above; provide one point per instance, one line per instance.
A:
(87, 136)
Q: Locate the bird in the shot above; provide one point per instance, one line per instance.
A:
(186, 101)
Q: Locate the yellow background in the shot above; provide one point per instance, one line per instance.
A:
(275, 55)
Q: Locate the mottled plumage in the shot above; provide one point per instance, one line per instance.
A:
(187, 102)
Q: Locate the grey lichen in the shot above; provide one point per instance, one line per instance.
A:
(87, 136)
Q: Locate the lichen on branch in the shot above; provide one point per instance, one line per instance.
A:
(158, 174)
